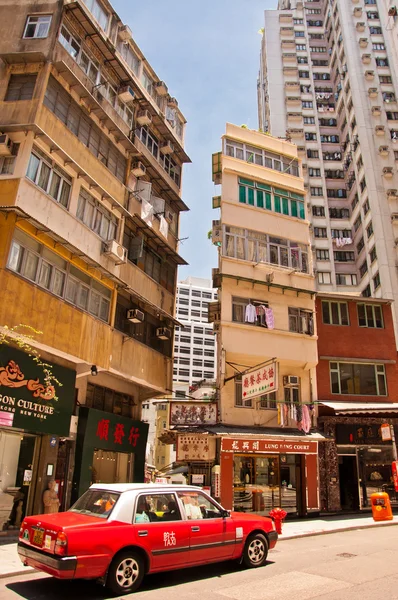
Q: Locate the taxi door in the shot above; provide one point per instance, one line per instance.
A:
(210, 538)
(165, 535)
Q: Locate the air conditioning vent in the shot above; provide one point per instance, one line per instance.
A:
(116, 252)
(161, 88)
(138, 169)
(126, 94)
(291, 380)
(144, 117)
(5, 145)
(135, 316)
(125, 33)
(163, 333)
(167, 148)
(216, 201)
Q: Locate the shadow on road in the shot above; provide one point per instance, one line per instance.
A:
(54, 589)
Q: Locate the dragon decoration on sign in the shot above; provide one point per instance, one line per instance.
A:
(11, 376)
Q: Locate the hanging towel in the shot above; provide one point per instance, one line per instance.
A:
(250, 315)
(306, 423)
(147, 212)
(164, 227)
(269, 318)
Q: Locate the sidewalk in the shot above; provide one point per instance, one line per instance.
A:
(10, 563)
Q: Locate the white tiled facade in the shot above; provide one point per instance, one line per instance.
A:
(194, 343)
(329, 82)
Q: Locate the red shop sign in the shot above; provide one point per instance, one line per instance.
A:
(395, 474)
(268, 446)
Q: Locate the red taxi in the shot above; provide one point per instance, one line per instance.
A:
(117, 533)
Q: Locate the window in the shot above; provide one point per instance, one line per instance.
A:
(98, 12)
(339, 213)
(7, 163)
(309, 120)
(335, 313)
(344, 256)
(378, 46)
(258, 156)
(240, 312)
(312, 153)
(20, 87)
(336, 193)
(354, 202)
(322, 254)
(312, 172)
(392, 116)
(330, 139)
(267, 402)
(375, 31)
(358, 379)
(49, 177)
(274, 199)
(360, 245)
(369, 230)
(385, 78)
(300, 47)
(109, 400)
(95, 216)
(310, 137)
(366, 207)
(373, 254)
(48, 270)
(302, 60)
(370, 315)
(299, 34)
(320, 232)
(301, 321)
(363, 268)
(324, 278)
(239, 400)
(318, 211)
(37, 26)
(254, 246)
(307, 104)
(357, 223)
(376, 280)
(346, 279)
(61, 104)
(316, 191)
(197, 506)
(382, 62)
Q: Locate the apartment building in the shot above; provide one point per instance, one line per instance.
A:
(328, 82)
(357, 390)
(194, 342)
(265, 326)
(91, 158)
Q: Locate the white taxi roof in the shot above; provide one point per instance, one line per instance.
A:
(127, 487)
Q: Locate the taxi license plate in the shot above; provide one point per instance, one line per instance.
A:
(38, 537)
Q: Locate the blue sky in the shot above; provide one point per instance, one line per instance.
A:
(207, 51)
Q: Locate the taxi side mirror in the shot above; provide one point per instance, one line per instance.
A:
(225, 513)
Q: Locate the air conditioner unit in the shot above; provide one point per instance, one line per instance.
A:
(126, 94)
(138, 169)
(172, 102)
(161, 88)
(216, 201)
(216, 327)
(290, 380)
(163, 333)
(392, 11)
(135, 316)
(5, 145)
(144, 117)
(167, 148)
(169, 216)
(116, 252)
(125, 33)
(269, 278)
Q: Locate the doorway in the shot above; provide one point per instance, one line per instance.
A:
(348, 474)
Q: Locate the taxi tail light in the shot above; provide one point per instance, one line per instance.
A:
(61, 544)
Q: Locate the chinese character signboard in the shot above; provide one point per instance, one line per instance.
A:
(395, 474)
(268, 446)
(260, 381)
(26, 402)
(193, 413)
(361, 434)
(385, 430)
(196, 447)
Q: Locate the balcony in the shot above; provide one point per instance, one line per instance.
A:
(286, 18)
(357, 12)
(288, 44)
(384, 150)
(360, 26)
(376, 111)
(293, 100)
(79, 335)
(294, 116)
(388, 172)
(295, 133)
(379, 130)
(369, 75)
(292, 86)
(363, 42)
(287, 32)
(289, 58)
(373, 92)
(366, 59)
(392, 194)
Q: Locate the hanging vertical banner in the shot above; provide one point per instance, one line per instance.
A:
(260, 381)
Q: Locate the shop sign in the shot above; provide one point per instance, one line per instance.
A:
(196, 447)
(197, 478)
(260, 381)
(395, 474)
(360, 435)
(193, 413)
(268, 446)
(108, 431)
(386, 432)
(26, 402)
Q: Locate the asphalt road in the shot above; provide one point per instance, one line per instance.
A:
(354, 565)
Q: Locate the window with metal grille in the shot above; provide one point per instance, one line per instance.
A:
(20, 87)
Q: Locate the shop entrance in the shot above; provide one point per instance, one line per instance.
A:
(16, 476)
(264, 482)
(348, 475)
(112, 467)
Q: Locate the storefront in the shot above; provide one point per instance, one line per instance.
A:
(110, 448)
(261, 473)
(33, 416)
(357, 462)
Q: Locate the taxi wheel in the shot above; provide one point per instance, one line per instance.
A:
(256, 551)
(125, 573)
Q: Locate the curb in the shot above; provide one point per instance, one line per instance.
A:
(26, 571)
(339, 530)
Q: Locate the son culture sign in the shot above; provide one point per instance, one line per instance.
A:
(25, 400)
(260, 381)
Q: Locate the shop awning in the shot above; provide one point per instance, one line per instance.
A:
(364, 408)
(264, 432)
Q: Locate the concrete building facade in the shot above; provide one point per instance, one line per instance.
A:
(328, 82)
(265, 319)
(91, 157)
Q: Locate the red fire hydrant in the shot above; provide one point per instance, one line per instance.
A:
(278, 514)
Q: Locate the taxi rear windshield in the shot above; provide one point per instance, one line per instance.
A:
(98, 503)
